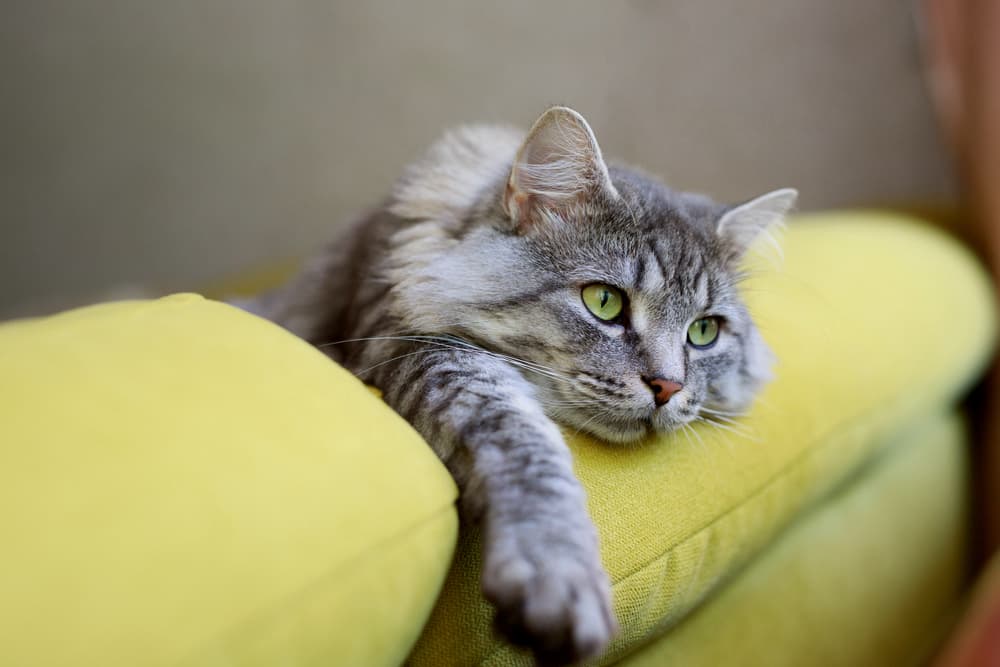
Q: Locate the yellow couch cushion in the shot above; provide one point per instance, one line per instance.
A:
(184, 484)
(875, 319)
(873, 577)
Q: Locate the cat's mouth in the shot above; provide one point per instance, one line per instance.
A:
(624, 416)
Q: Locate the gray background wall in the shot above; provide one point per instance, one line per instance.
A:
(170, 143)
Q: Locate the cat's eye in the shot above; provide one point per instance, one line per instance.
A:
(604, 301)
(703, 332)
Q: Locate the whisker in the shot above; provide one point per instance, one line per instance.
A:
(397, 358)
(684, 430)
(570, 404)
(730, 429)
(457, 344)
(584, 424)
(725, 420)
(407, 338)
(724, 413)
(694, 431)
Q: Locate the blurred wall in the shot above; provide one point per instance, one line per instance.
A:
(169, 143)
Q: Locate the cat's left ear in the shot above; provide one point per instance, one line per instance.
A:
(741, 225)
(558, 167)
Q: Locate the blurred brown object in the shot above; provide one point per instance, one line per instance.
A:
(963, 65)
(977, 640)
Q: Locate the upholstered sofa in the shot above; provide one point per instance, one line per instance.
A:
(182, 483)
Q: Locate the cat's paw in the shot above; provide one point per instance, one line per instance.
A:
(551, 596)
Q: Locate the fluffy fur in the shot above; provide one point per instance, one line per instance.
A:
(460, 297)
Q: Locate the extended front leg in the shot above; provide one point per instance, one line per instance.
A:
(542, 568)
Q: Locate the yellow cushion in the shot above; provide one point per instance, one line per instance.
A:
(872, 577)
(184, 484)
(876, 320)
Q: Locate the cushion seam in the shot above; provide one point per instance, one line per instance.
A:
(946, 398)
(900, 410)
(772, 482)
(896, 440)
(775, 481)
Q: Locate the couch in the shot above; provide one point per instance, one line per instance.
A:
(186, 484)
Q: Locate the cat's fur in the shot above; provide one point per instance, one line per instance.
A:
(460, 297)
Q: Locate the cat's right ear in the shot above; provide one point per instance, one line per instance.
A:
(558, 167)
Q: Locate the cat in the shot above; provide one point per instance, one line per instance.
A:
(513, 281)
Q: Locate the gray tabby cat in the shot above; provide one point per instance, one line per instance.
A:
(508, 282)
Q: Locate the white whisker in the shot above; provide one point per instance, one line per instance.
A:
(457, 344)
(388, 361)
(694, 431)
(684, 430)
(730, 429)
(723, 413)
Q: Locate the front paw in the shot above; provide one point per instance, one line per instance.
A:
(551, 594)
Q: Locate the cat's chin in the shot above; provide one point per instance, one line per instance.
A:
(619, 435)
(624, 431)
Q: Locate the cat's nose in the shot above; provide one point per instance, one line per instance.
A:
(663, 389)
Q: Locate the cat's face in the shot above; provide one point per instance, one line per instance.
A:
(621, 296)
(637, 314)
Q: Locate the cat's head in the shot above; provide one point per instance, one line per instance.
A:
(620, 294)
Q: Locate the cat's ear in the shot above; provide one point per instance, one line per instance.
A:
(741, 225)
(558, 167)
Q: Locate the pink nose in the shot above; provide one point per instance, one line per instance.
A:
(663, 389)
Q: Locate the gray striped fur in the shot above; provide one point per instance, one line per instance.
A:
(460, 298)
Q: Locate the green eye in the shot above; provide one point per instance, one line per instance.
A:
(604, 301)
(703, 332)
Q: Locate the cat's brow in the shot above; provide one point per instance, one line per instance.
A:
(703, 293)
(661, 263)
(640, 271)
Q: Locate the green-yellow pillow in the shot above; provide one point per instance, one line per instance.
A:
(184, 484)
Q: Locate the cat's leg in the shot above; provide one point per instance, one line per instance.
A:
(542, 568)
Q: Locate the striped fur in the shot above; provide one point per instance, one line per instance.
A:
(460, 298)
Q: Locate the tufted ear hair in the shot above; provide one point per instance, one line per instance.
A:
(557, 168)
(741, 225)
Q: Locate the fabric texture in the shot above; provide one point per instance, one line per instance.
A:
(876, 320)
(871, 578)
(182, 483)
